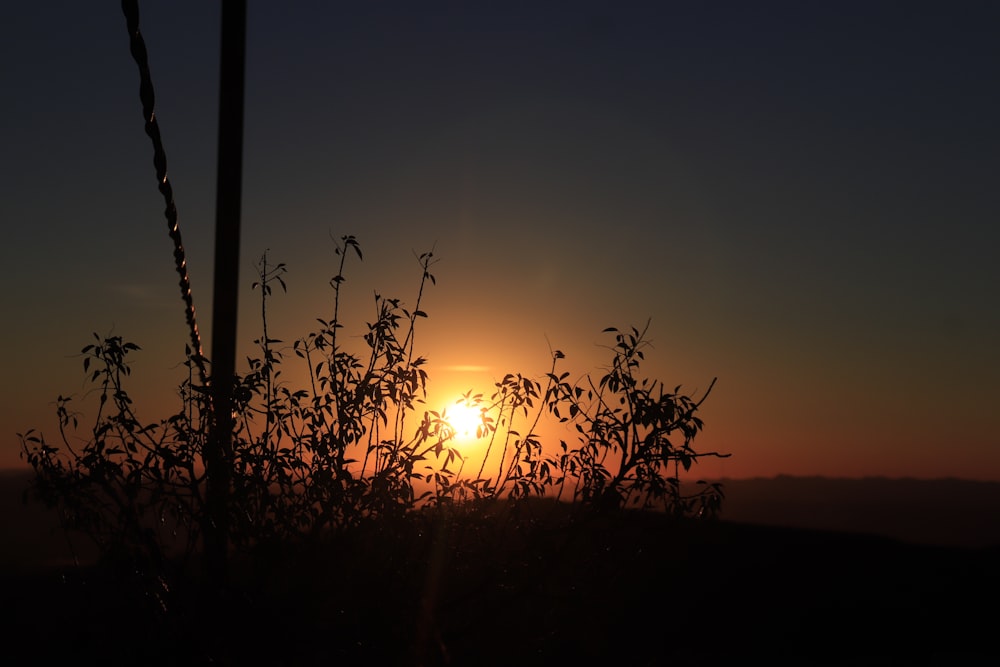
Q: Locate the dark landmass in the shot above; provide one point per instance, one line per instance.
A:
(539, 583)
(947, 512)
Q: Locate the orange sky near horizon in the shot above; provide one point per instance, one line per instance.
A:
(831, 430)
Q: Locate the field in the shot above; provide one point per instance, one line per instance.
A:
(536, 583)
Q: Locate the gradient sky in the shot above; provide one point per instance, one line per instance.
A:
(802, 198)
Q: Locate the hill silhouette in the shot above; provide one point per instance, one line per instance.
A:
(948, 512)
(538, 583)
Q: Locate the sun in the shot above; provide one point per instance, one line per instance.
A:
(465, 419)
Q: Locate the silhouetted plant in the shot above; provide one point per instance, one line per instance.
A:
(355, 443)
(628, 453)
(134, 489)
(306, 461)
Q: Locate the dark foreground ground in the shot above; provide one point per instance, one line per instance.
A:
(537, 584)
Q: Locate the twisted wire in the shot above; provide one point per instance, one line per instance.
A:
(147, 96)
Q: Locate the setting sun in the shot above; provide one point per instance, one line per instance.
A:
(465, 419)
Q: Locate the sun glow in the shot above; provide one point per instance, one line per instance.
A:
(465, 419)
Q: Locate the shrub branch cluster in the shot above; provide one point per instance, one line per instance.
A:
(355, 443)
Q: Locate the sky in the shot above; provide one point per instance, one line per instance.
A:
(800, 198)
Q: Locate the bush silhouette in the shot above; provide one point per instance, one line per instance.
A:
(354, 445)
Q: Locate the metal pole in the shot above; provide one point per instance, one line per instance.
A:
(219, 454)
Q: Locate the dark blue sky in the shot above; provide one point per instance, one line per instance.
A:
(801, 196)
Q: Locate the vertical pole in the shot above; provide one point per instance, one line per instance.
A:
(219, 454)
